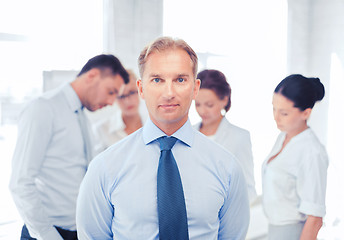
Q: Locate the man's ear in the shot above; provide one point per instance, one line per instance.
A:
(140, 88)
(196, 88)
(92, 74)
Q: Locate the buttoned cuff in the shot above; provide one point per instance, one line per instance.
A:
(312, 209)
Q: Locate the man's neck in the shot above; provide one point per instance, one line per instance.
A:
(170, 128)
(77, 88)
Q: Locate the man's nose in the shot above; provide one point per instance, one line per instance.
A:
(110, 100)
(169, 90)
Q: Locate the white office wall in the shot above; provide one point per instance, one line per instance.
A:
(247, 41)
(35, 36)
(129, 25)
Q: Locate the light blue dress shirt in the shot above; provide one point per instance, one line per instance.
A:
(49, 163)
(118, 196)
(237, 141)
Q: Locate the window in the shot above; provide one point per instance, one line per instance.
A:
(247, 41)
(36, 36)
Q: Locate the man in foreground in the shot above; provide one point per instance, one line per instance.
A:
(166, 180)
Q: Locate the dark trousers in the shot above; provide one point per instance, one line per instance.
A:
(66, 234)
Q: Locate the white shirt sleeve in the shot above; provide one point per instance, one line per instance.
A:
(34, 133)
(311, 184)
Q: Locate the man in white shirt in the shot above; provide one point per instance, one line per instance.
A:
(54, 149)
(194, 190)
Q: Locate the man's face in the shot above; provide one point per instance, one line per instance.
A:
(102, 91)
(168, 86)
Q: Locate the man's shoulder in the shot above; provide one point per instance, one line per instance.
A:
(117, 154)
(53, 95)
(35, 106)
(46, 103)
(47, 98)
(126, 144)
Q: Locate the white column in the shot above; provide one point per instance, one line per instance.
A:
(315, 32)
(316, 48)
(129, 25)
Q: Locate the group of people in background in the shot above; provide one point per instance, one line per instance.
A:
(61, 194)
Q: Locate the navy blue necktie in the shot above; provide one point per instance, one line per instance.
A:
(173, 223)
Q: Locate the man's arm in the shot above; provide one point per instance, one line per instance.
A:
(34, 134)
(94, 210)
(235, 213)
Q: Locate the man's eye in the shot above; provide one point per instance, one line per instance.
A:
(180, 80)
(156, 80)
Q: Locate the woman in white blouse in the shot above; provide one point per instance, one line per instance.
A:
(294, 174)
(131, 116)
(212, 103)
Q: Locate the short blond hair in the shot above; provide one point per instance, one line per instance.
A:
(167, 43)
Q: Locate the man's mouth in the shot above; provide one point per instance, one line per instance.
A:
(168, 106)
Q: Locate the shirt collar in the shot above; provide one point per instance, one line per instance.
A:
(300, 136)
(72, 98)
(151, 132)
